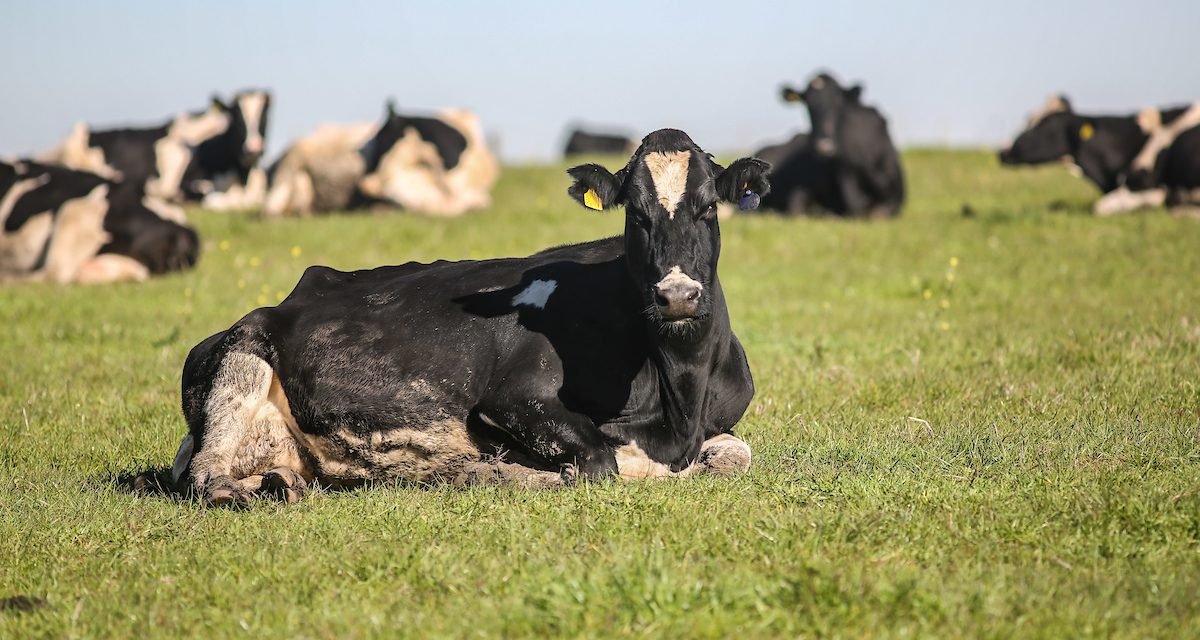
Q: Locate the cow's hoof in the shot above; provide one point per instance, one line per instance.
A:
(225, 492)
(284, 484)
(725, 455)
(569, 474)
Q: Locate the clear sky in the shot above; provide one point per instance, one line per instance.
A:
(961, 73)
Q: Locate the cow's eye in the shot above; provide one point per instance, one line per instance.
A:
(708, 212)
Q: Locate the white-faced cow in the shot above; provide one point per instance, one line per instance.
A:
(581, 142)
(846, 166)
(210, 156)
(433, 165)
(62, 225)
(1146, 159)
(609, 358)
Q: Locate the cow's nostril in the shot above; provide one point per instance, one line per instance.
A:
(660, 299)
(692, 295)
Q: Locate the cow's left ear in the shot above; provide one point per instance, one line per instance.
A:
(854, 93)
(596, 187)
(744, 182)
(217, 105)
(791, 95)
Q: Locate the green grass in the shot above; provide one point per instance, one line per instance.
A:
(1024, 462)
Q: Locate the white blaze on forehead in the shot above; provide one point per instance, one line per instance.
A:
(669, 172)
(536, 294)
(676, 276)
(252, 106)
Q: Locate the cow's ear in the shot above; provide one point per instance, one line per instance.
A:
(390, 109)
(854, 94)
(1065, 102)
(595, 187)
(217, 105)
(744, 182)
(791, 95)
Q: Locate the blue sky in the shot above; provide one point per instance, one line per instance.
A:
(961, 73)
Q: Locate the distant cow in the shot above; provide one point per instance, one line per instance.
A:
(846, 166)
(210, 156)
(434, 165)
(609, 358)
(62, 225)
(1146, 159)
(582, 142)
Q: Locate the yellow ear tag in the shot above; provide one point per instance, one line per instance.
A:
(592, 201)
(1087, 131)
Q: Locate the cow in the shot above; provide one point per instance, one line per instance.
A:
(210, 156)
(1146, 159)
(439, 166)
(62, 225)
(847, 165)
(613, 357)
(581, 142)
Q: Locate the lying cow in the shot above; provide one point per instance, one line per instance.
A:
(1148, 159)
(582, 142)
(438, 166)
(62, 225)
(847, 166)
(210, 156)
(611, 357)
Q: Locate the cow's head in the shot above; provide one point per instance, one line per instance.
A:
(827, 102)
(670, 189)
(248, 123)
(1049, 135)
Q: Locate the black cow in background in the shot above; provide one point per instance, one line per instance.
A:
(846, 166)
(582, 142)
(1146, 159)
(62, 225)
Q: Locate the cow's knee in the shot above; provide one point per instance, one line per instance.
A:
(723, 455)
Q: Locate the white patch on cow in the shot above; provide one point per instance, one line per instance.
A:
(172, 155)
(676, 276)
(330, 158)
(77, 236)
(16, 191)
(440, 449)
(634, 464)
(182, 457)
(233, 196)
(75, 153)
(165, 210)
(110, 267)
(1149, 120)
(669, 173)
(196, 129)
(1164, 136)
(1055, 104)
(1122, 200)
(252, 106)
(20, 249)
(536, 294)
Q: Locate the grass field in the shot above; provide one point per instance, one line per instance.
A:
(983, 425)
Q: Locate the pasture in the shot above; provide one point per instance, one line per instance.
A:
(965, 425)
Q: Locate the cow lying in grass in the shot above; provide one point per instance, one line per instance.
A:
(608, 358)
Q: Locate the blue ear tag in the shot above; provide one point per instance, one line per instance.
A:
(748, 201)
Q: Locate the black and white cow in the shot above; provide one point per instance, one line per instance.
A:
(846, 166)
(209, 156)
(581, 142)
(62, 225)
(434, 165)
(1150, 158)
(608, 358)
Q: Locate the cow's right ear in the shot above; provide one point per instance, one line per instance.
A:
(595, 187)
(791, 95)
(217, 105)
(391, 109)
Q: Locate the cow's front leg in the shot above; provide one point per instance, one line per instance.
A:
(507, 473)
(722, 455)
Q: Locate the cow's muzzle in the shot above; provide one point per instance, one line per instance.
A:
(677, 296)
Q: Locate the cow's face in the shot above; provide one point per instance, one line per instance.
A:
(670, 189)
(827, 102)
(1047, 135)
(248, 123)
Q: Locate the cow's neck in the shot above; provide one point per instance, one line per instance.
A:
(684, 365)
